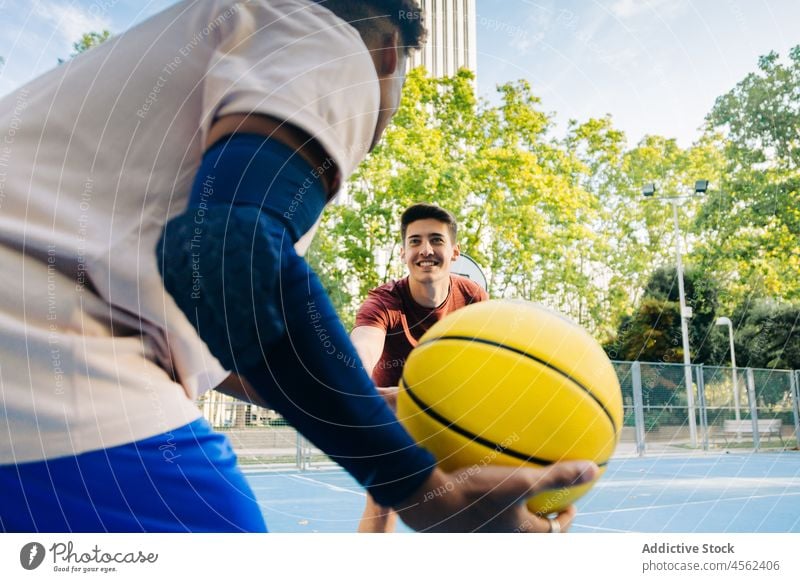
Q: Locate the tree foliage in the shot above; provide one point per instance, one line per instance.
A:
(769, 336)
(653, 333)
(563, 221)
(742, 236)
(523, 213)
(636, 233)
(87, 41)
(753, 223)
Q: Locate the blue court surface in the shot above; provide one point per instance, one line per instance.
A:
(719, 493)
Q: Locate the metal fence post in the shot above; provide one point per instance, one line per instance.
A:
(701, 402)
(302, 457)
(795, 384)
(638, 406)
(751, 393)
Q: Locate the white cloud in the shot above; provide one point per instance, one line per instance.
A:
(625, 9)
(71, 21)
(521, 44)
(36, 34)
(621, 59)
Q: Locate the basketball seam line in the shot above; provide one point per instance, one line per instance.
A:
(535, 359)
(473, 437)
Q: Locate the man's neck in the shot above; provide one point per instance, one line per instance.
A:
(429, 294)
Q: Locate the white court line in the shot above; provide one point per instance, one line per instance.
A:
(629, 509)
(328, 485)
(597, 528)
(700, 482)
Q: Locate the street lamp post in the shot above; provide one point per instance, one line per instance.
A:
(726, 321)
(700, 186)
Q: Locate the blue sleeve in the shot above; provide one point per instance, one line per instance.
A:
(229, 263)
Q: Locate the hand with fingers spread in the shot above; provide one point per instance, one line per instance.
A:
(492, 499)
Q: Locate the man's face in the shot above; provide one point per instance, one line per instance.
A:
(428, 250)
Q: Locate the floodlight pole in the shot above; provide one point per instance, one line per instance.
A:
(685, 315)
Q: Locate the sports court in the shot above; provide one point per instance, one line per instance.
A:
(736, 470)
(720, 492)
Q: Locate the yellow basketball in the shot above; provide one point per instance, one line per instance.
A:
(512, 383)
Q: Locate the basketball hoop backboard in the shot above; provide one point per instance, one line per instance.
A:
(465, 266)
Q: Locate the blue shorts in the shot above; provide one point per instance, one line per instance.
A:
(184, 480)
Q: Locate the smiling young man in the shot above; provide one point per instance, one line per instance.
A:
(396, 315)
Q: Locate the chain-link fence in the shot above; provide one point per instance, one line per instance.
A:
(259, 435)
(730, 408)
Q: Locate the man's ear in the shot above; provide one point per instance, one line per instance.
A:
(456, 252)
(387, 54)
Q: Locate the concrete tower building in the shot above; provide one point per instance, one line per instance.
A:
(451, 26)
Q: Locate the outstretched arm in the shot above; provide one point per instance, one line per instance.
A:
(369, 342)
(230, 264)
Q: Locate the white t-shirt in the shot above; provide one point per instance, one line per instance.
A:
(95, 157)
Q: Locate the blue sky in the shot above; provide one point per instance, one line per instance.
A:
(655, 65)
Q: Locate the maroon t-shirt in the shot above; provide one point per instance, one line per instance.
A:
(391, 308)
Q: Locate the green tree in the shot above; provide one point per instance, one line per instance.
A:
(753, 223)
(600, 149)
(653, 333)
(650, 334)
(635, 233)
(650, 236)
(523, 213)
(87, 41)
(559, 221)
(769, 336)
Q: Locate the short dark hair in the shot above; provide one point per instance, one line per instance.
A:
(422, 211)
(368, 16)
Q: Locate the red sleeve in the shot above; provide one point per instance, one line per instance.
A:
(472, 291)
